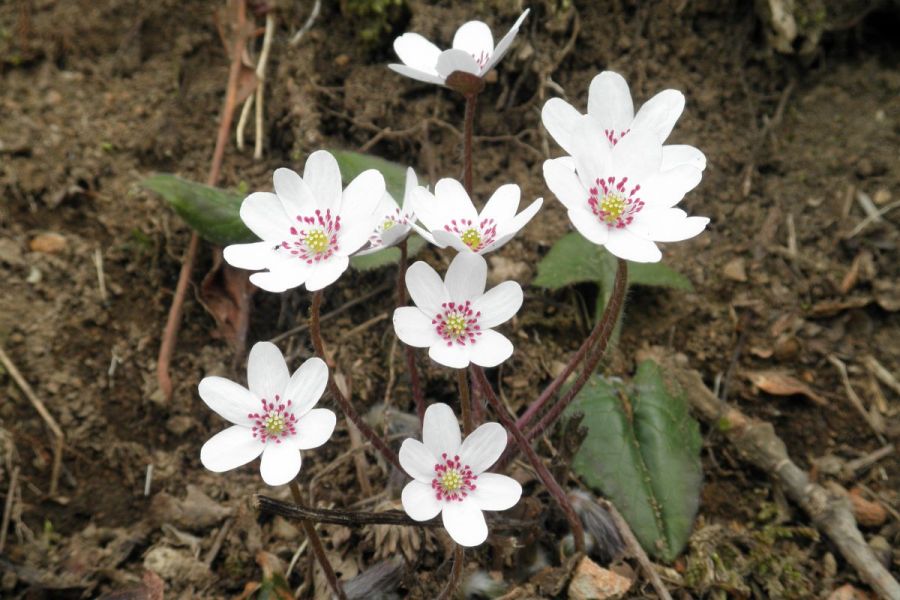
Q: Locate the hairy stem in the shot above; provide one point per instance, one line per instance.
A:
(346, 407)
(173, 320)
(315, 542)
(414, 382)
(449, 590)
(465, 400)
(540, 468)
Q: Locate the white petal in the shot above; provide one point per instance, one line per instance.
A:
(476, 39)
(307, 385)
(281, 276)
(417, 52)
(419, 501)
(362, 196)
(228, 399)
(498, 243)
(668, 225)
(355, 233)
(624, 244)
(414, 328)
(254, 256)
(666, 189)
(496, 492)
(502, 205)
(314, 428)
(609, 101)
(560, 120)
(483, 447)
(280, 463)
(417, 460)
(637, 156)
(491, 349)
(394, 235)
(451, 197)
(564, 184)
(504, 43)
(449, 354)
(443, 239)
(593, 157)
(440, 431)
(412, 182)
(426, 288)
(465, 522)
(416, 74)
(675, 155)
(323, 176)
(522, 219)
(456, 60)
(427, 208)
(589, 226)
(426, 235)
(294, 193)
(659, 114)
(326, 272)
(267, 373)
(499, 304)
(466, 277)
(263, 214)
(230, 449)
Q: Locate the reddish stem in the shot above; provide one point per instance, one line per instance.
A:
(449, 590)
(540, 468)
(468, 130)
(315, 334)
(173, 321)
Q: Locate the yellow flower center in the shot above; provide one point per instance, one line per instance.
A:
(471, 238)
(317, 241)
(613, 205)
(451, 481)
(275, 424)
(456, 325)
(388, 223)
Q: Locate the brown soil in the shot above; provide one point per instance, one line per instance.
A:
(96, 95)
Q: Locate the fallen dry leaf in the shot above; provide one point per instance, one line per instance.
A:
(782, 384)
(48, 243)
(592, 582)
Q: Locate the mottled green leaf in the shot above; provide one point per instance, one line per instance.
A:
(354, 163)
(643, 452)
(657, 274)
(388, 256)
(211, 212)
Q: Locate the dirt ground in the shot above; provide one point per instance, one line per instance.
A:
(95, 95)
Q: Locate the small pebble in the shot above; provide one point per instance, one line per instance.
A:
(736, 270)
(48, 243)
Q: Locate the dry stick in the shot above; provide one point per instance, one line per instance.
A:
(315, 334)
(414, 382)
(261, 83)
(543, 473)
(854, 398)
(761, 446)
(635, 549)
(315, 543)
(41, 409)
(7, 508)
(173, 321)
(465, 399)
(351, 518)
(455, 574)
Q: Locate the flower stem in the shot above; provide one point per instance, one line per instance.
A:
(315, 334)
(468, 129)
(540, 468)
(315, 542)
(414, 382)
(465, 400)
(455, 574)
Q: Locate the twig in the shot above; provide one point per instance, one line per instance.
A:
(8, 506)
(217, 542)
(101, 277)
(851, 467)
(308, 25)
(883, 375)
(365, 325)
(455, 574)
(173, 321)
(351, 518)
(45, 415)
(636, 551)
(246, 109)
(871, 219)
(747, 181)
(261, 82)
(854, 398)
(148, 479)
(315, 542)
(759, 445)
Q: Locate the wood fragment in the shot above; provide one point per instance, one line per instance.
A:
(634, 548)
(883, 375)
(8, 506)
(218, 541)
(41, 409)
(855, 400)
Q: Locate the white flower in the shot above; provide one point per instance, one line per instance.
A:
(275, 417)
(393, 222)
(621, 197)
(453, 318)
(473, 52)
(449, 475)
(450, 219)
(309, 227)
(610, 105)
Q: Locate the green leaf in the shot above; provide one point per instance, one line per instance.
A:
(657, 274)
(573, 259)
(643, 452)
(354, 163)
(212, 212)
(388, 256)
